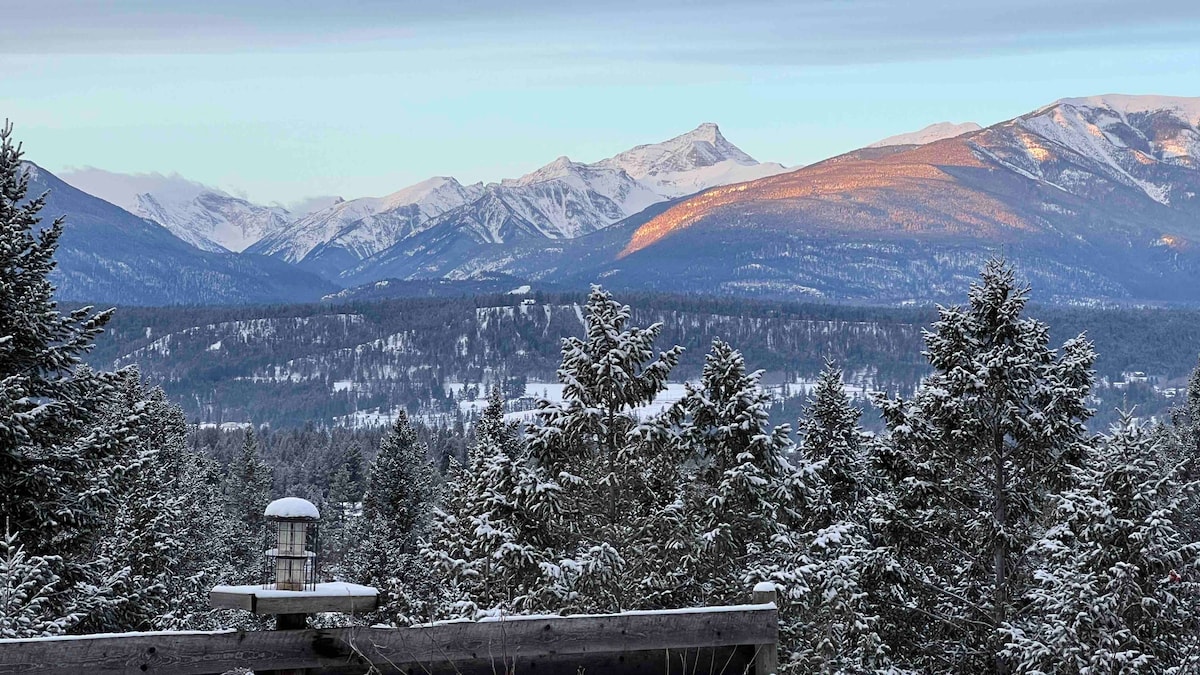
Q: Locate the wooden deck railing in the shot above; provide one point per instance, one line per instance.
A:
(713, 640)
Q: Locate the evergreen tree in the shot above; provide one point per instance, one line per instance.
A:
(975, 458)
(29, 593)
(397, 506)
(593, 480)
(1119, 586)
(742, 496)
(836, 587)
(832, 443)
(247, 493)
(479, 542)
(345, 496)
(836, 579)
(207, 546)
(59, 453)
(1181, 446)
(145, 531)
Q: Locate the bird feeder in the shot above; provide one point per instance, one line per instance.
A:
(289, 587)
(290, 565)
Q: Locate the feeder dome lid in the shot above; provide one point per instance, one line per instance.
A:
(292, 507)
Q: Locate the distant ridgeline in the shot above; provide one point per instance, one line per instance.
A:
(355, 363)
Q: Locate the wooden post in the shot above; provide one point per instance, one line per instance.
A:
(289, 622)
(766, 659)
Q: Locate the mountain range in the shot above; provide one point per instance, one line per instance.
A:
(1094, 199)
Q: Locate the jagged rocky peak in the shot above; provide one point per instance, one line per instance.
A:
(701, 147)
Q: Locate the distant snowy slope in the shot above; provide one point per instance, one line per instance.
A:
(1185, 108)
(203, 216)
(931, 133)
(305, 206)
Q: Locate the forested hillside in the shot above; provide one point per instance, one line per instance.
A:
(321, 364)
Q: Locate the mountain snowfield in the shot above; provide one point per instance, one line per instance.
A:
(203, 216)
(931, 133)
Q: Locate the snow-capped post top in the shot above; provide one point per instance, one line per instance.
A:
(764, 593)
(292, 508)
(765, 587)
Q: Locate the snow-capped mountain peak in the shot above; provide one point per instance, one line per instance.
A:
(559, 168)
(929, 134)
(203, 216)
(351, 230)
(701, 147)
(426, 193)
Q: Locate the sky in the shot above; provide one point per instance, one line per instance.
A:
(277, 100)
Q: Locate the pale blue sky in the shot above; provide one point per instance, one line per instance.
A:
(279, 100)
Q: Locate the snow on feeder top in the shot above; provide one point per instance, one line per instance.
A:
(292, 507)
(290, 565)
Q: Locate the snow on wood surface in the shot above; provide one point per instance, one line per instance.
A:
(719, 609)
(292, 507)
(333, 589)
(95, 636)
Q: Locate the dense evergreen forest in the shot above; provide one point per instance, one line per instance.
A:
(358, 362)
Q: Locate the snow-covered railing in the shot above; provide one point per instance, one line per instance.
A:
(733, 640)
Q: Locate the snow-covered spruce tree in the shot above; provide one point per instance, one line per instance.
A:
(833, 444)
(163, 534)
(1118, 589)
(742, 497)
(1180, 445)
(247, 493)
(385, 541)
(59, 452)
(974, 458)
(480, 543)
(593, 461)
(143, 537)
(206, 548)
(28, 590)
(835, 579)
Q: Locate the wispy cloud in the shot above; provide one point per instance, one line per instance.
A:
(801, 32)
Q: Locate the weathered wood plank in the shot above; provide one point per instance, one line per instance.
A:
(293, 604)
(345, 649)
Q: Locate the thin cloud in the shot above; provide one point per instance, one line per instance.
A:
(813, 32)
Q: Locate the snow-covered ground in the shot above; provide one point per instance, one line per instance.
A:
(858, 386)
(226, 426)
